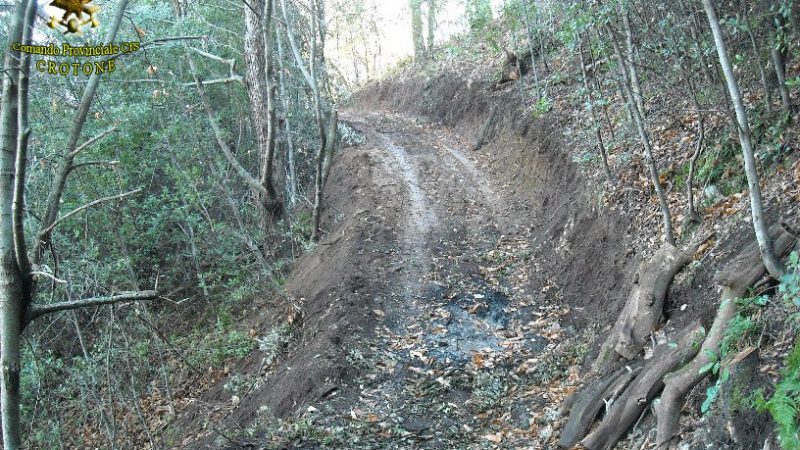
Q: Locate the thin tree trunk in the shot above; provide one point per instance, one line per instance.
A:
(291, 177)
(692, 214)
(431, 26)
(65, 167)
(762, 72)
(633, 73)
(694, 30)
(599, 88)
(777, 52)
(257, 56)
(596, 125)
(669, 237)
(773, 265)
(526, 19)
(416, 28)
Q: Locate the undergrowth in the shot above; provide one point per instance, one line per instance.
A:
(784, 404)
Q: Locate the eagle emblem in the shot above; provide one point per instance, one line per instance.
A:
(77, 13)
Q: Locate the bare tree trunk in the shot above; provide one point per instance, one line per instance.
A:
(762, 72)
(432, 5)
(257, 58)
(416, 28)
(694, 30)
(291, 176)
(321, 176)
(631, 59)
(596, 125)
(773, 265)
(529, 33)
(72, 149)
(12, 298)
(777, 53)
(669, 237)
(692, 214)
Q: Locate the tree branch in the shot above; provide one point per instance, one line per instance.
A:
(93, 163)
(86, 206)
(91, 141)
(36, 311)
(243, 173)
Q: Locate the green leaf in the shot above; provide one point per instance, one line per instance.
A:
(707, 368)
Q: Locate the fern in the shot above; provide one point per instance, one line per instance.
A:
(785, 402)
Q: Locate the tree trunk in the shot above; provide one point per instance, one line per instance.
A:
(669, 237)
(777, 52)
(772, 264)
(416, 28)
(692, 214)
(761, 71)
(431, 26)
(596, 125)
(644, 308)
(257, 55)
(11, 291)
(291, 176)
(66, 165)
(633, 72)
(529, 33)
(323, 164)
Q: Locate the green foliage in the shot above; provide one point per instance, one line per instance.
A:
(740, 328)
(789, 287)
(225, 343)
(275, 342)
(784, 404)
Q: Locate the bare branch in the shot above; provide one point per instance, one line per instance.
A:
(233, 79)
(91, 141)
(86, 206)
(93, 163)
(41, 310)
(243, 173)
(48, 275)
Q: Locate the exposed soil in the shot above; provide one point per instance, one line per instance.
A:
(436, 279)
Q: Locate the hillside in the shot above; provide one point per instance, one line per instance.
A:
(558, 224)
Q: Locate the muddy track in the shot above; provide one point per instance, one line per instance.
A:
(395, 295)
(443, 191)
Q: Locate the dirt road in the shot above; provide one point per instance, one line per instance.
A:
(420, 327)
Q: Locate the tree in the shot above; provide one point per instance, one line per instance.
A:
(432, 6)
(19, 272)
(479, 14)
(628, 81)
(327, 135)
(416, 28)
(261, 89)
(771, 262)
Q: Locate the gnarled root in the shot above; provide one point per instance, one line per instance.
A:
(644, 307)
(745, 271)
(644, 387)
(589, 402)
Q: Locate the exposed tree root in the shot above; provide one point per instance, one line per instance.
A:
(644, 307)
(589, 402)
(742, 273)
(622, 412)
